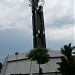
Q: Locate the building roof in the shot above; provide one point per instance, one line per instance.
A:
(22, 56)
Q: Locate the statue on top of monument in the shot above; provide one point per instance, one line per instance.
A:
(38, 2)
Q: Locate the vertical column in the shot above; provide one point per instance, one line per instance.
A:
(38, 24)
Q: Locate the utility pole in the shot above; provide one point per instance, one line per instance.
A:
(38, 23)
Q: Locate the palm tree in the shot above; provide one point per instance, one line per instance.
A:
(67, 64)
(1, 66)
(40, 55)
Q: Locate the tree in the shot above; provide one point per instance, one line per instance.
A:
(40, 55)
(67, 64)
(1, 66)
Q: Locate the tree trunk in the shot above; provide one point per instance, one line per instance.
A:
(40, 70)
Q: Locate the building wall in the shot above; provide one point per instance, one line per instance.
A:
(25, 67)
(15, 64)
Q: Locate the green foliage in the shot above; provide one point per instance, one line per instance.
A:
(40, 70)
(39, 54)
(0, 67)
(67, 64)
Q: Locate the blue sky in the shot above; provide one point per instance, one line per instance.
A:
(16, 25)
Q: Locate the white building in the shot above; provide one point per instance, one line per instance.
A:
(19, 64)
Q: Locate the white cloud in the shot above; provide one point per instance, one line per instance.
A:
(14, 13)
(65, 32)
(55, 9)
(74, 34)
(17, 12)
